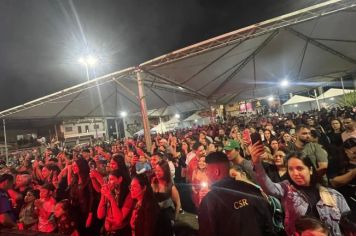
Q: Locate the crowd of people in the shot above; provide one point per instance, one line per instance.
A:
(282, 175)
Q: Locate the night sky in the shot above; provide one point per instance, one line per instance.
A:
(41, 40)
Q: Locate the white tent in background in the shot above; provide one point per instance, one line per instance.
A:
(299, 103)
(139, 133)
(333, 97)
(193, 117)
(334, 92)
(172, 123)
(160, 128)
(196, 119)
(296, 99)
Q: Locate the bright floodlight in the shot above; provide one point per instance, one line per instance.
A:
(123, 114)
(177, 116)
(195, 120)
(270, 98)
(91, 60)
(284, 83)
(81, 60)
(180, 88)
(88, 61)
(295, 105)
(332, 99)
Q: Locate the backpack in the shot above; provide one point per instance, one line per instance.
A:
(277, 213)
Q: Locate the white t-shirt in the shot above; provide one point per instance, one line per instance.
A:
(172, 169)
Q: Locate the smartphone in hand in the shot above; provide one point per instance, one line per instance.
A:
(255, 137)
(246, 136)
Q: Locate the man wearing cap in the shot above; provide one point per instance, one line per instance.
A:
(232, 207)
(232, 150)
(7, 216)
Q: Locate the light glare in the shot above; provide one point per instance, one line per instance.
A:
(88, 61)
(123, 114)
(92, 61)
(284, 83)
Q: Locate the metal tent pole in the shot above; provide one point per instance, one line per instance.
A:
(142, 99)
(55, 130)
(343, 88)
(117, 130)
(316, 99)
(5, 140)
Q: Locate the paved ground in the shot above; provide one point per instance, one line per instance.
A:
(186, 225)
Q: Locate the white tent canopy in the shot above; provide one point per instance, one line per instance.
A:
(310, 46)
(160, 128)
(196, 119)
(333, 92)
(299, 103)
(193, 117)
(298, 99)
(172, 124)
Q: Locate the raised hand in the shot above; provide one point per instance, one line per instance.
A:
(256, 151)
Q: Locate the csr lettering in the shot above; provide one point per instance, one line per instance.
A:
(241, 203)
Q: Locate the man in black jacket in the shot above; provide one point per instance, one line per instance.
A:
(232, 207)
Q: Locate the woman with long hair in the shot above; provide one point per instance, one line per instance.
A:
(167, 196)
(199, 180)
(267, 137)
(301, 194)
(277, 171)
(273, 146)
(145, 214)
(335, 132)
(81, 196)
(117, 162)
(285, 140)
(49, 172)
(116, 204)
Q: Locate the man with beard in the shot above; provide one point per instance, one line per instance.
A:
(316, 153)
(350, 127)
(221, 136)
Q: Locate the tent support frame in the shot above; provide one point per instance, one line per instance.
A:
(213, 61)
(203, 96)
(320, 45)
(303, 15)
(142, 98)
(245, 62)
